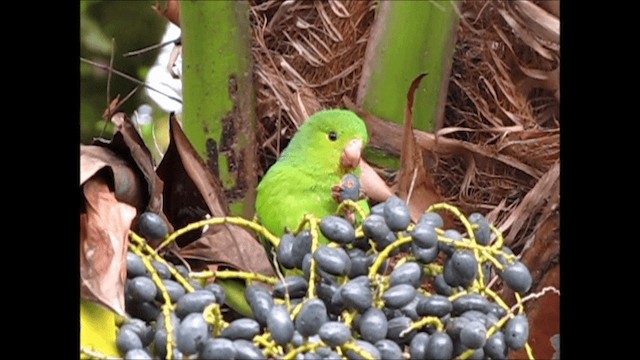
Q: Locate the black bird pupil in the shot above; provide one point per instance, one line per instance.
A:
(333, 136)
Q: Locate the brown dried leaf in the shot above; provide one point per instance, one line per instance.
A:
(129, 146)
(171, 12)
(104, 229)
(535, 199)
(543, 24)
(525, 35)
(549, 80)
(553, 7)
(413, 182)
(283, 8)
(191, 194)
(230, 246)
(543, 248)
(118, 180)
(126, 183)
(500, 79)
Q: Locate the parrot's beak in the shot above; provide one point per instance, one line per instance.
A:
(351, 155)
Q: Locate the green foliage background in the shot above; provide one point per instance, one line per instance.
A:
(133, 25)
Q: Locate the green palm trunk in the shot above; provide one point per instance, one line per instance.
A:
(219, 99)
(408, 38)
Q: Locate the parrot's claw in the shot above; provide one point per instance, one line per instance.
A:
(336, 193)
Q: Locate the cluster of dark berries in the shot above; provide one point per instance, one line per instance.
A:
(340, 300)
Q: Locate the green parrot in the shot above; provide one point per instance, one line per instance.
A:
(303, 181)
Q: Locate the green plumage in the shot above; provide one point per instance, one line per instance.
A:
(300, 181)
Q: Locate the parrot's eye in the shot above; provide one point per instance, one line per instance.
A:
(332, 136)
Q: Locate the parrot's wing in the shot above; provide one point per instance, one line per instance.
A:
(286, 194)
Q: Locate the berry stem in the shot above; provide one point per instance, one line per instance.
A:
(270, 347)
(213, 316)
(291, 355)
(144, 246)
(232, 274)
(348, 317)
(497, 299)
(499, 239)
(358, 350)
(350, 204)
(427, 320)
(274, 240)
(384, 254)
(313, 229)
(95, 354)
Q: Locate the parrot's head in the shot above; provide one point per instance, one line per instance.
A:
(332, 138)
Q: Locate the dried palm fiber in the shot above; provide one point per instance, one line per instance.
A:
(504, 97)
(502, 103)
(308, 55)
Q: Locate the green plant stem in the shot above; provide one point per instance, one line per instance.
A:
(409, 38)
(218, 108)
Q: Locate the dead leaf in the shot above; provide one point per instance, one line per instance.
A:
(229, 246)
(126, 183)
(104, 229)
(117, 182)
(171, 12)
(526, 36)
(413, 182)
(535, 199)
(129, 146)
(542, 23)
(191, 193)
(553, 7)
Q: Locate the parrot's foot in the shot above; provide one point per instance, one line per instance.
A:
(336, 193)
(347, 213)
